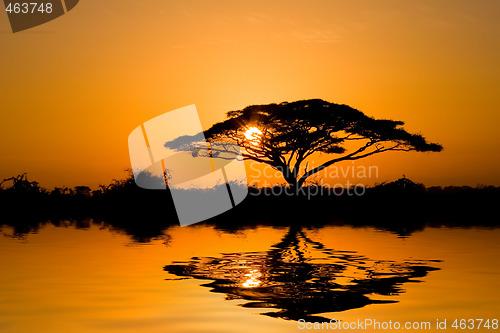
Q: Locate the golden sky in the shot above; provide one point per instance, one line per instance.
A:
(73, 89)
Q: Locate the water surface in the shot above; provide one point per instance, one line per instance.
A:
(94, 278)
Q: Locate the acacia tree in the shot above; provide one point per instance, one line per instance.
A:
(284, 136)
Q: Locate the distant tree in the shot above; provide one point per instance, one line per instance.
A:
(82, 191)
(284, 135)
(20, 183)
(402, 185)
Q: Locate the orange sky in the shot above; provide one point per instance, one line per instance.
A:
(73, 89)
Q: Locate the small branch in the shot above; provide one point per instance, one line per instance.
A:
(352, 156)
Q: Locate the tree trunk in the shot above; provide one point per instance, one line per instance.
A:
(293, 187)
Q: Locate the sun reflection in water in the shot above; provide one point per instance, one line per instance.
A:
(252, 279)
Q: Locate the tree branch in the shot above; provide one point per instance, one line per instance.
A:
(352, 156)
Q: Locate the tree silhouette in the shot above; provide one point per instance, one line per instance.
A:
(284, 135)
(20, 183)
(299, 278)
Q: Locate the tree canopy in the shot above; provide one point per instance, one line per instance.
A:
(284, 135)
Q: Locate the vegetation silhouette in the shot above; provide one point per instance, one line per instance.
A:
(285, 135)
(300, 278)
(401, 207)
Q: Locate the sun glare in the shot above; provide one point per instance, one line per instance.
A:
(252, 279)
(253, 134)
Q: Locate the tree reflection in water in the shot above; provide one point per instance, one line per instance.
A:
(299, 285)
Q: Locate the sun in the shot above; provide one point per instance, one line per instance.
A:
(253, 135)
